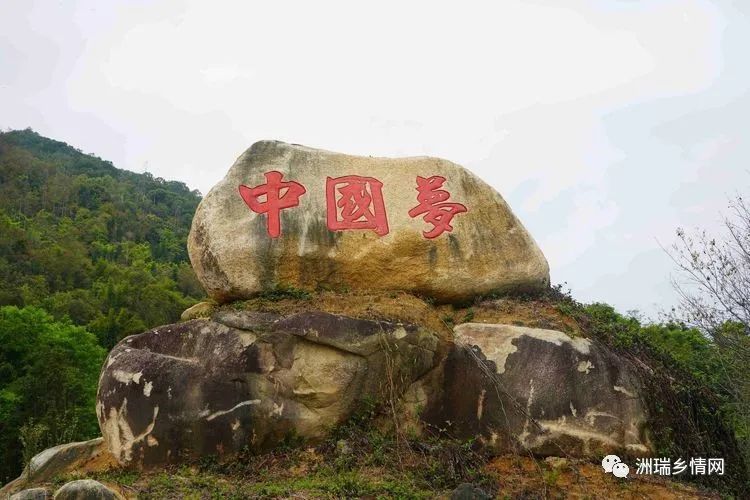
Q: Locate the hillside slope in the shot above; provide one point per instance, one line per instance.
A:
(82, 244)
(83, 239)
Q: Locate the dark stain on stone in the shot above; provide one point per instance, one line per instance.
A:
(266, 256)
(455, 247)
(283, 349)
(326, 325)
(208, 260)
(432, 255)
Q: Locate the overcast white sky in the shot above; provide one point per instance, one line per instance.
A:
(605, 124)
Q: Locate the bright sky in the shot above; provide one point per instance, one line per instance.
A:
(605, 124)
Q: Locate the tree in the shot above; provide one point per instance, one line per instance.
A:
(88, 242)
(48, 377)
(713, 282)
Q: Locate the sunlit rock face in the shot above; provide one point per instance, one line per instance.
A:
(291, 216)
(517, 388)
(252, 380)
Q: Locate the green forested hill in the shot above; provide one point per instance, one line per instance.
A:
(88, 254)
(84, 240)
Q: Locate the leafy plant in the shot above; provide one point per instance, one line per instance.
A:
(51, 370)
(32, 436)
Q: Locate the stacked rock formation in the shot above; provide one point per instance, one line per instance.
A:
(288, 217)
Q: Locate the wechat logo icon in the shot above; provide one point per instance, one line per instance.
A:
(613, 464)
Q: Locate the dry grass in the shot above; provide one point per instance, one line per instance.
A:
(519, 477)
(425, 470)
(406, 308)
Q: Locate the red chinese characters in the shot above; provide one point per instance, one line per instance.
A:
(278, 196)
(355, 202)
(434, 205)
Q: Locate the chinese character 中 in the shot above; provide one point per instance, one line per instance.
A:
(355, 202)
(645, 466)
(434, 205)
(278, 196)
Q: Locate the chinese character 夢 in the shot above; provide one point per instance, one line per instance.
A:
(355, 202)
(278, 196)
(434, 206)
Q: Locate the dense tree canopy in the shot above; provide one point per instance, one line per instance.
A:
(47, 372)
(84, 247)
(86, 241)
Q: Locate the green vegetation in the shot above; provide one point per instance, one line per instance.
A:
(373, 463)
(95, 247)
(365, 458)
(693, 407)
(102, 247)
(285, 292)
(48, 376)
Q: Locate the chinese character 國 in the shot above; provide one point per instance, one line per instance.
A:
(278, 196)
(355, 202)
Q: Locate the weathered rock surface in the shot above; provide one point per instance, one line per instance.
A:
(467, 491)
(32, 494)
(247, 379)
(256, 379)
(57, 460)
(516, 388)
(85, 489)
(200, 310)
(454, 239)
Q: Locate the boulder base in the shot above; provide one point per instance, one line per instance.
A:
(247, 379)
(59, 460)
(32, 494)
(521, 388)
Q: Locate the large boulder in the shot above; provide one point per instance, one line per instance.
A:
(291, 216)
(518, 388)
(246, 379)
(62, 458)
